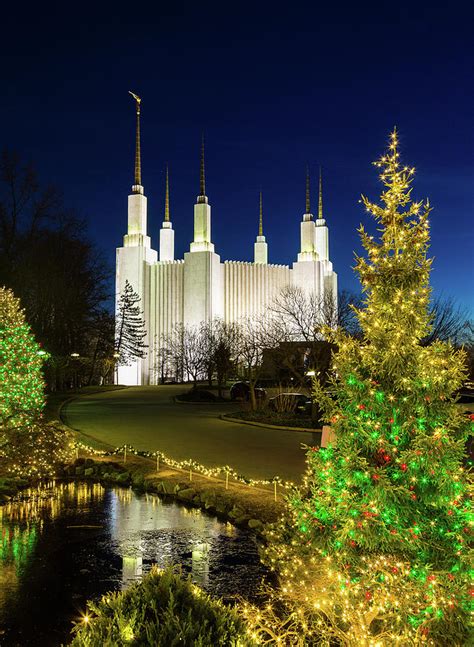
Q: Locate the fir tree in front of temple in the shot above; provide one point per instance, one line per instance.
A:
(28, 446)
(373, 549)
(130, 328)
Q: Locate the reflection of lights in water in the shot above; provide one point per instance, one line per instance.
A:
(22, 522)
(132, 568)
(200, 563)
(230, 530)
(48, 499)
(17, 544)
(147, 530)
(138, 529)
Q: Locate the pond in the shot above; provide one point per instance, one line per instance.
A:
(64, 543)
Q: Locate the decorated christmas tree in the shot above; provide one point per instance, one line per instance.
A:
(27, 445)
(373, 549)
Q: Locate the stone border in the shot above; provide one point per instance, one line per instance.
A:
(253, 423)
(207, 495)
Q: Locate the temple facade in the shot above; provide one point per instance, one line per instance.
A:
(201, 287)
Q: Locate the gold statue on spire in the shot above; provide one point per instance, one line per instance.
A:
(260, 222)
(137, 100)
(138, 163)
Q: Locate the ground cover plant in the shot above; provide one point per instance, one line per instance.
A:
(163, 610)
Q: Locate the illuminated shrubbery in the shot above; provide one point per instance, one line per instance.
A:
(28, 446)
(373, 549)
(162, 610)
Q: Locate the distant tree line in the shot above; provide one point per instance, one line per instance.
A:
(48, 260)
(286, 345)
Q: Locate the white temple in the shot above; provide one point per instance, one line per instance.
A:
(201, 287)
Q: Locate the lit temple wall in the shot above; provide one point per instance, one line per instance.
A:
(250, 287)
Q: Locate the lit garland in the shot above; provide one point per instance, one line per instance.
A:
(28, 446)
(373, 549)
(187, 465)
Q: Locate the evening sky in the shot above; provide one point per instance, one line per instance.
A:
(273, 90)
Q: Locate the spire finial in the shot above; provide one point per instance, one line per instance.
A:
(320, 206)
(308, 199)
(202, 185)
(167, 197)
(138, 163)
(260, 222)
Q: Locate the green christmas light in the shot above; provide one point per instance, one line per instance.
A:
(27, 445)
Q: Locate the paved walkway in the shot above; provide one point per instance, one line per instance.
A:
(149, 419)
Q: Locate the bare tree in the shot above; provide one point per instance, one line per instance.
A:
(101, 347)
(47, 258)
(163, 358)
(252, 341)
(304, 316)
(295, 334)
(450, 322)
(188, 352)
(224, 350)
(208, 333)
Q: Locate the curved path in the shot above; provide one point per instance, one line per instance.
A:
(149, 419)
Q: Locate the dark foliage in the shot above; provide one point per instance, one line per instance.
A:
(49, 262)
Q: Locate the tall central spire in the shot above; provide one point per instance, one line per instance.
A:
(138, 164)
(202, 214)
(167, 197)
(308, 198)
(202, 181)
(320, 205)
(260, 222)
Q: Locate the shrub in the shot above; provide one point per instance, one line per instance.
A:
(161, 610)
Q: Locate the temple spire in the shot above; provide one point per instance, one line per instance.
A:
(138, 164)
(308, 198)
(202, 183)
(166, 231)
(260, 246)
(320, 205)
(167, 197)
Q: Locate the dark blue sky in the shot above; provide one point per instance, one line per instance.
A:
(272, 90)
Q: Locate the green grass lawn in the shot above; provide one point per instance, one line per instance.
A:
(55, 399)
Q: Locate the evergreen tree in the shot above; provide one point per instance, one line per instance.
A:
(27, 445)
(21, 361)
(373, 550)
(130, 328)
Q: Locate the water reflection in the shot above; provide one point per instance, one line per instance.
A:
(22, 522)
(66, 542)
(145, 529)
